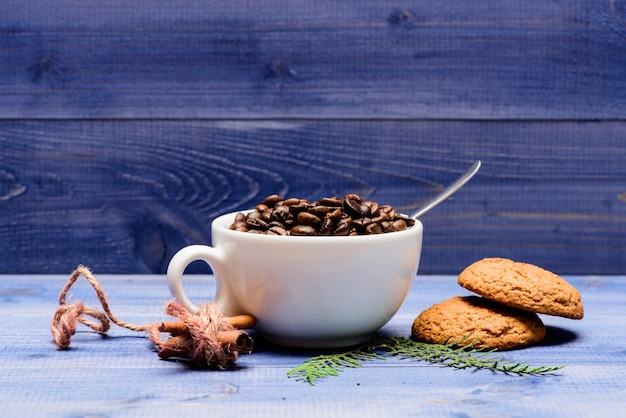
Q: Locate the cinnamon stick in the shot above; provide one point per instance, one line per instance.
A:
(175, 329)
(175, 347)
(235, 340)
(179, 328)
(241, 321)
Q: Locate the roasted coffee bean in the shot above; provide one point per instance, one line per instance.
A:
(291, 201)
(303, 230)
(307, 218)
(366, 210)
(374, 207)
(328, 216)
(256, 223)
(270, 201)
(335, 214)
(387, 212)
(361, 223)
(353, 196)
(298, 208)
(332, 202)
(277, 230)
(280, 213)
(319, 210)
(345, 220)
(398, 225)
(327, 226)
(407, 219)
(352, 207)
(343, 228)
(266, 216)
(373, 229)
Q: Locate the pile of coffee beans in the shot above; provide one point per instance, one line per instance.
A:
(328, 216)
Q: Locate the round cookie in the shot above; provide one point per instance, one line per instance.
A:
(524, 286)
(487, 323)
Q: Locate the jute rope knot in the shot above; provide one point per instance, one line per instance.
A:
(205, 338)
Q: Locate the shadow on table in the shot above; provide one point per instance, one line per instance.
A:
(555, 336)
(558, 336)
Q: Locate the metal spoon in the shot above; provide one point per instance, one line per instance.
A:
(458, 183)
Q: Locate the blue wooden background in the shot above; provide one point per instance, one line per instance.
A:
(126, 127)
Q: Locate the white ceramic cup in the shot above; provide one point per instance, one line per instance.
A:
(306, 291)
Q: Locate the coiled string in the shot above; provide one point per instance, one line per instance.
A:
(205, 338)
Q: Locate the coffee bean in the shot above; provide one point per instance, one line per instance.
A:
(280, 213)
(331, 202)
(327, 226)
(398, 225)
(328, 216)
(256, 223)
(266, 216)
(353, 196)
(275, 224)
(239, 226)
(366, 210)
(277, 230)
(343, 228)
(374, 207)
(303, 230)
(373, 229)
(407, 219)
(335, 215)
(261, 207)
(298, 208)
(307, 218)
(291, 201)
(361, 223)
(270, 201)
(352, 207)
(319, 210)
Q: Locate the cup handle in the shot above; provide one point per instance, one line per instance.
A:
(215, 257)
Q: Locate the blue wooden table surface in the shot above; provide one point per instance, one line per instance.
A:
(119, 374)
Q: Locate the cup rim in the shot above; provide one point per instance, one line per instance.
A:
(223, 222)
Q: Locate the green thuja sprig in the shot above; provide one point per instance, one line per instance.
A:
(325, 365)
(450, 354)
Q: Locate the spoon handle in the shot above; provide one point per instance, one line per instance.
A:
(458, 183)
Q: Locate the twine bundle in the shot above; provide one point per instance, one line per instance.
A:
(204, 339)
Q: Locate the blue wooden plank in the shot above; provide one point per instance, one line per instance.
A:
(371, 59)
(123, 197)
(120, 376)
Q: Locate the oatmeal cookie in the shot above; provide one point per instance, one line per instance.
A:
(524, 286)
(488, 324)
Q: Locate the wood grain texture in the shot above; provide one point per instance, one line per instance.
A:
(278, 58)
(119, 375)
(125, 128)
(124, 196)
